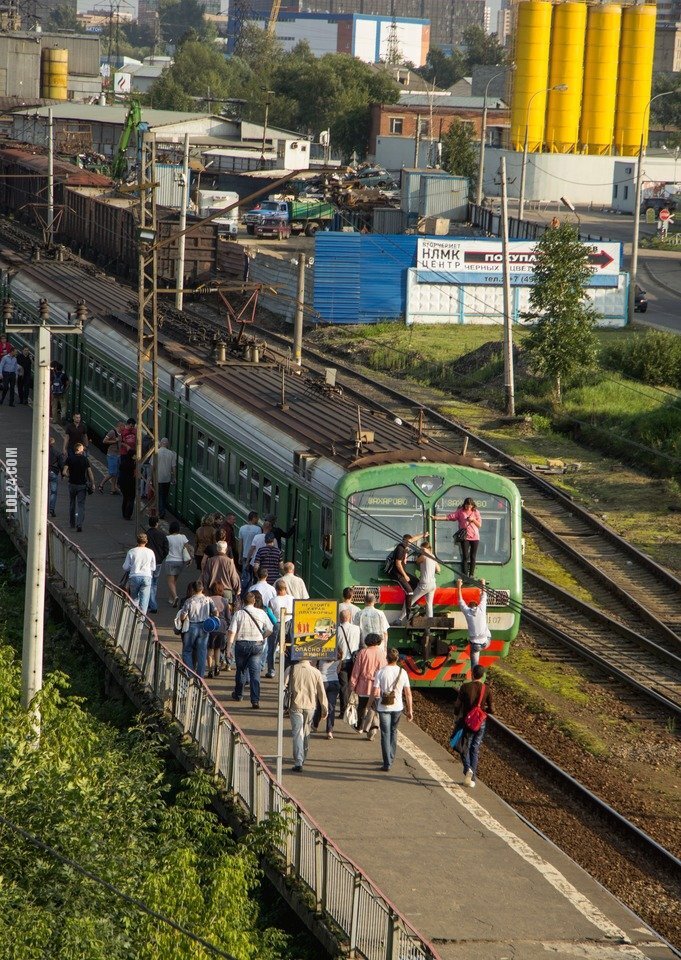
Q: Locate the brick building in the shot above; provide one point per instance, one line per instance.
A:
(400, 119)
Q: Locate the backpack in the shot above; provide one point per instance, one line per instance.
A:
(58, 383)
(476, 716)
(389, 563)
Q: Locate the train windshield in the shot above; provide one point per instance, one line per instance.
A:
(495, 533)
(377, 519)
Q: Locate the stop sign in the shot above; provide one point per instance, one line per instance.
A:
(665, 214)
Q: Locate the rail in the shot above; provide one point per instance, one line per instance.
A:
(338, 891)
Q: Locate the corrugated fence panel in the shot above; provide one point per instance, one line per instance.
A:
(337, 260)
(283, 275)
(362, 278)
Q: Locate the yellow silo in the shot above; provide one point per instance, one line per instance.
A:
(566, 67)
(597, 123)
(531, 76)
(54, 73)
(637, 47)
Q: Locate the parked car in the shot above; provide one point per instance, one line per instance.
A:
(657, 204)
(640, 300)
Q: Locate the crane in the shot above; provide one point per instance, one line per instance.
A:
(274, 16)
(133, 122)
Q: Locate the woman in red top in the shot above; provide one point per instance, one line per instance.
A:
(469, 519)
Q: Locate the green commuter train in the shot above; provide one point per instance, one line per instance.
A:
(254, 436)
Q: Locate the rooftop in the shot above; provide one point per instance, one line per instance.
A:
(93, 113)
(447, 101)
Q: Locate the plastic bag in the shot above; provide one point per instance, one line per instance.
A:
(456, 738)
(350, 715)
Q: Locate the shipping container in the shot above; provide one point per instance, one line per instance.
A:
(385, 220)
(411, 184)
(444, 197)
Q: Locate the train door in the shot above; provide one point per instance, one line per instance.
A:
(301, 506)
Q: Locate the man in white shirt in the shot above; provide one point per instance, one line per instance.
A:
(306, 689)
(373, 620)
(246, 533)
(391, 693)
(347, 604)
(295, 585)
(258, 541)
(140, 564)
(248, 631)
(479, 636)
(166, 466)
(347, 644)
(265, 589)
(282, 601)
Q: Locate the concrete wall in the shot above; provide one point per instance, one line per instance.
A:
(19, 67)
(393, 153)
(550, 176)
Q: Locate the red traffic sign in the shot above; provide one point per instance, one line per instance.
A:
(665, 214)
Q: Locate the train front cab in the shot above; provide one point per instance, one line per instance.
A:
(380, 504)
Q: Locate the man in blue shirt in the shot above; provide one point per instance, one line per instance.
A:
(9, 369)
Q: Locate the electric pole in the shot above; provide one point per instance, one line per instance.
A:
(509, 385)
(50, 179)
(36, 562)
(147, 316)
(179, 276)
(300, 308)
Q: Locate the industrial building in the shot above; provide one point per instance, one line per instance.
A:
(360, 35)
(448, 18)
(28, 60)
(667, 47)
(230, 144)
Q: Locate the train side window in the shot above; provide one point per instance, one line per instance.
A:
(119, 394)
(112, 387)
(326, 530)
(97, 379)
(200, 450)
(266, 495)
(275, 501)
(255, 488)
(243, 482)
(90, 374)
(221, 466)
(210, 458)
(231, 472)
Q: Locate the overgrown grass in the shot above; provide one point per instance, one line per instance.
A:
(546, 566)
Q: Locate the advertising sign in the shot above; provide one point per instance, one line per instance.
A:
(481, 261)
(314, 629)
(122, 82)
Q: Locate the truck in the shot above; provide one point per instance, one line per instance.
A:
(210, 201)
(301, 216)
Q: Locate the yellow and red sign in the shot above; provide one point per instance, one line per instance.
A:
(314, 629)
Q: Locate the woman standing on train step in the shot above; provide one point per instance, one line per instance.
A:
(469, 519)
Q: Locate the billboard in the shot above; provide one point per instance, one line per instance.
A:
(481, 261)
(314, 630)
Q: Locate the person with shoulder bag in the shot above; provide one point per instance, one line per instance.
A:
(473, 705)
(199, 611)
(348, 643)
(392, 695)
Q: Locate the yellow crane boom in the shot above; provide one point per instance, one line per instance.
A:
(274, 16)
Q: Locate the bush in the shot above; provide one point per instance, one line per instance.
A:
(653, 357)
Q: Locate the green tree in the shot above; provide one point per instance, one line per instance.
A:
(562, 340)
(64, 17)
(482, 48)
(178, 17)
(460, 153)
(667, 110)
(443, 69)
(199, 70)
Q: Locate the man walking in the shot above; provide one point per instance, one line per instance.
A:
(472, 694)
(26, 377)
(479, 636)
(268, 558)
(282, 601)
(54, 472)
(348, 642)
(373, 620)
(248, 631)
(295, 585)
(306, 692)
(140, 565)
(81, 481)
(196, 609)
(158, 542)
(247, 532)
(75, 432)
(220, 568)
(347, 604)
(59, 381)
(166, 467)
(392, 694)
(9, 371)
(112, 444)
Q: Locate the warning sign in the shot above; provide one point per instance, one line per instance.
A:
(314, 629)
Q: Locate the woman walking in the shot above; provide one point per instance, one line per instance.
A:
(179, 555)
(127, 473)
(205, 535)
(368, 662)
(392, 694)
(329, 672)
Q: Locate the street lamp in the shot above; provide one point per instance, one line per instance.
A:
(558, 88)
(483, 133)
(571, 207)
(676, 157)
(633, 270)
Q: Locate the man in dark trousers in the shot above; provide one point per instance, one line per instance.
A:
(75, 432)
(405, 579)
(81, 482)
(158, 542)
(25, 382)
(471, 694)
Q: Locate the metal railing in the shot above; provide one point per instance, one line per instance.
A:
(337, 890)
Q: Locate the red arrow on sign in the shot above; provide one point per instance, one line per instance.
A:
(601, 260)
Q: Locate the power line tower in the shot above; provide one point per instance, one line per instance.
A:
(240, 12)
(393, 55)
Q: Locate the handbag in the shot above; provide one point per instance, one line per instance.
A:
(388, 698)
(456, 737)
(258, 625)
(476, 716)
(461, 535)
(186, 555)
(180, 625)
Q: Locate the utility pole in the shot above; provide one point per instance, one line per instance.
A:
(147, 316)
(268, 94)
(300, 307)
(36, 563)
(179, 295)
(417, 140)
(50, 179)
(509, 384)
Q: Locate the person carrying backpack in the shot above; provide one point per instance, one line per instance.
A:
(473, 704)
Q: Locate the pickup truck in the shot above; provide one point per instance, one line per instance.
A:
(302, 216)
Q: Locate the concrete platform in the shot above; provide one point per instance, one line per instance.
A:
(459, 864)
